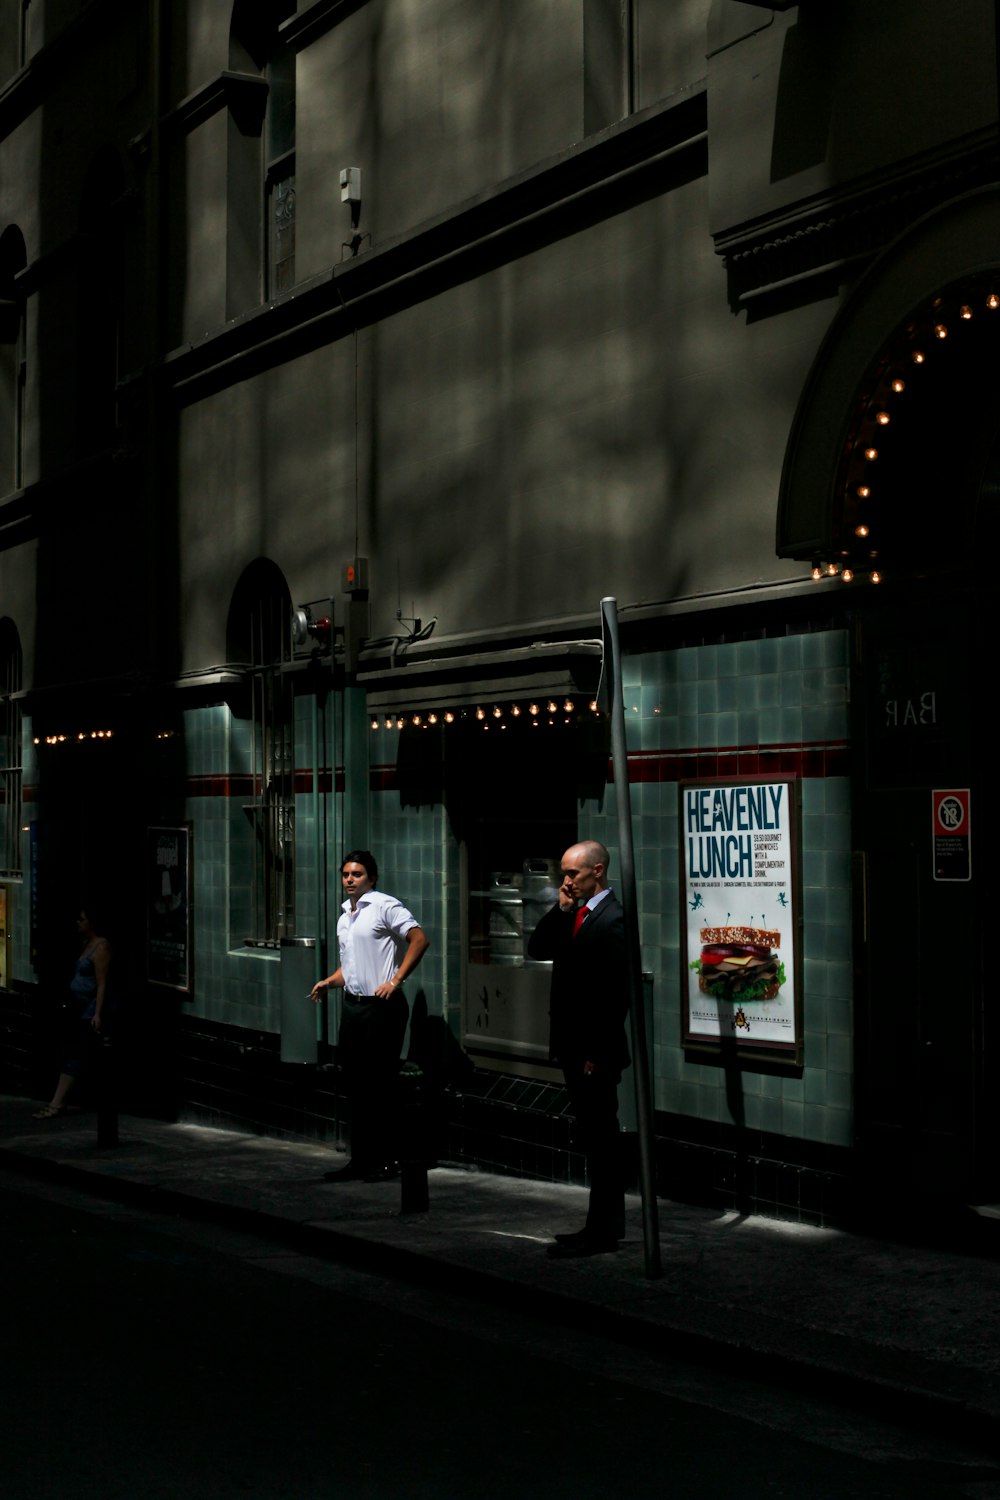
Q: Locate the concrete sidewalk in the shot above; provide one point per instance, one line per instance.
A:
(910, 1330)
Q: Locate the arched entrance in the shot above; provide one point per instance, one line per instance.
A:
(890, 486)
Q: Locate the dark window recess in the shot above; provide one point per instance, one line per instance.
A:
(511, 783)
(280, 208)
(279, 175)
(10, 751)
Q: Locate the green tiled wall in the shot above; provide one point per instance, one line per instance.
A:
(785, 690)
(782, 690)
(230, 985)
(418, 862)
(789, 690)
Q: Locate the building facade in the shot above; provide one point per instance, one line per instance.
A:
(350, 354)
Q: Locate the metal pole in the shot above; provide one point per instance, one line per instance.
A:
(640, 1056)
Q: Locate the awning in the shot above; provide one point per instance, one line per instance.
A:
(485, 677)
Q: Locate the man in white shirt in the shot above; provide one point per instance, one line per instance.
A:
(380, 944)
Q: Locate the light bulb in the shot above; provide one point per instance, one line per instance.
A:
(882, 418)
(918, 357)
(871, 454)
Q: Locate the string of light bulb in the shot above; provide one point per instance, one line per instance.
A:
(893, 376)
(74, 739)
(536, 711)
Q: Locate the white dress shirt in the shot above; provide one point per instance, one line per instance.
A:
(372, 940)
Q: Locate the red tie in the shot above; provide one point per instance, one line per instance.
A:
(579, 919)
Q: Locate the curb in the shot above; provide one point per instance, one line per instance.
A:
(749, 1352)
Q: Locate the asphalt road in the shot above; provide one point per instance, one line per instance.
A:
(147, 1357)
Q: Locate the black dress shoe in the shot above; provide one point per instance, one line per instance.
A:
(348, 1173)
(577, 1249)
(582, 1234)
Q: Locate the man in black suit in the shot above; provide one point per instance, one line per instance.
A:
(584, 936)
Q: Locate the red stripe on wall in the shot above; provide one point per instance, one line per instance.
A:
(219, 785)
(831, 759)
(817, 761)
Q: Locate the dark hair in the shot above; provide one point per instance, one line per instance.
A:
(362, 857)
(96, 915)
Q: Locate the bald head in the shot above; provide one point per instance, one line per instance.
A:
(585, 869)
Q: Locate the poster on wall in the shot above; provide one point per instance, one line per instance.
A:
(740, 947)
(168, 907)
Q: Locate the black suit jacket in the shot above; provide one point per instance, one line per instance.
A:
(589, 998)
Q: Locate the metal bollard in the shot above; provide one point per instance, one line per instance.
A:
(414, 1197)
(107, 1095)
(413, 1194)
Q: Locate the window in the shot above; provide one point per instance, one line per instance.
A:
(259, 636)
(608, 65)
(10, 751)
(515, 773)
(12, 361)
(261, 168)
(13, 36)
(279, 173)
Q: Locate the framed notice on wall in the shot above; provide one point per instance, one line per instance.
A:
(168, 907)
(740, 936)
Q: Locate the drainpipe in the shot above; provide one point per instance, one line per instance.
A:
(612, 682)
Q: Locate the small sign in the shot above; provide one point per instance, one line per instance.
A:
(952, 834)
(168, 936)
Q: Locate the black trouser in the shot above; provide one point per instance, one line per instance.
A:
(594, 1101)
(371, 1039)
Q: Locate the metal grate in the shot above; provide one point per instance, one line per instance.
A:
(10, 753)
(273, 770)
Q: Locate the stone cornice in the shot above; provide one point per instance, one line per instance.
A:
(243, 93)
(833, 234)
(316, 20)
(640, 156)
